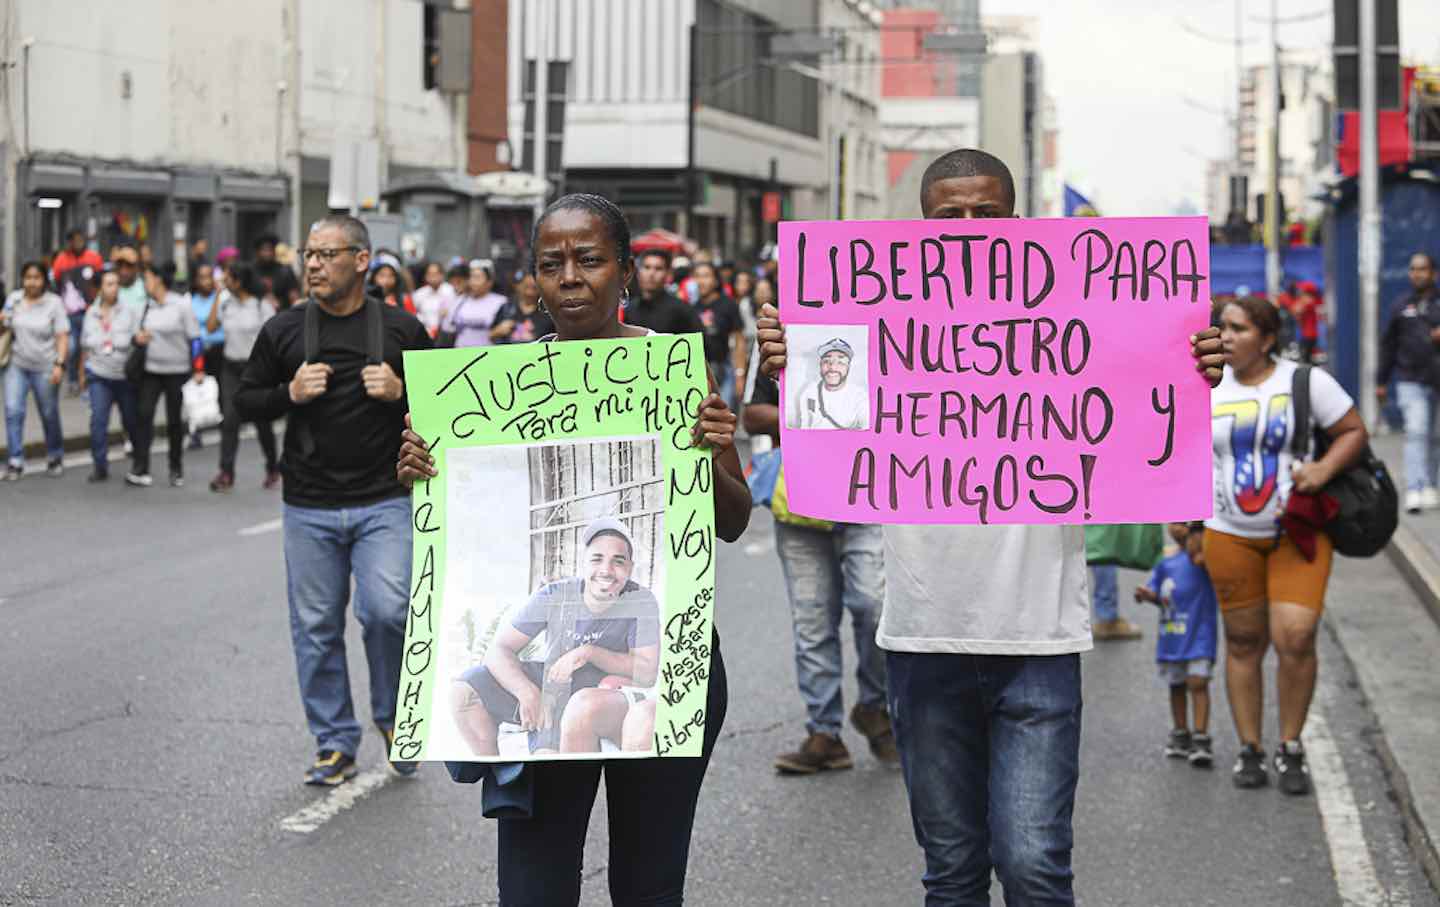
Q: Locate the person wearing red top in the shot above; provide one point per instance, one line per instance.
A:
(75, 255)
(1306, 309)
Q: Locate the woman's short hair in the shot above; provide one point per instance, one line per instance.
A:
(1262, 314)
(616, 226)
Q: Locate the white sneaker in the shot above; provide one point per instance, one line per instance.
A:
(1414, 501)
(139, 481)
(1430, 498)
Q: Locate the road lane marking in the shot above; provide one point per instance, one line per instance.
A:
(1355, 876)
(336, 802)
(262, 528)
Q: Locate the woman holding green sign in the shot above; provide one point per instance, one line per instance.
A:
(581, 260)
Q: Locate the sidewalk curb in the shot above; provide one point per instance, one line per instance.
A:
(35, 450)
(1422, 844)
(1421, 571)
(1418, 565)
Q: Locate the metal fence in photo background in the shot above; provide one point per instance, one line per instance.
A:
(573, 484)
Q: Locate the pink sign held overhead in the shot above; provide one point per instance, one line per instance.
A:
(996, 371)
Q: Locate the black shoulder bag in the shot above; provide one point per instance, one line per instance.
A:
(135, 362)
(1369, 504)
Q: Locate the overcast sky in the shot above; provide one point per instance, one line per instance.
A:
(1118, 71)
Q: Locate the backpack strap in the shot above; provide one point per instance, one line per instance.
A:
(312, 330)
(1300, 402)
(375, 332)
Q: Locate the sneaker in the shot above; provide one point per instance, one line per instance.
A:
(874, 724)
(1203, 754)
(222, 483)
(1414, 502)
(403, 769)
(819, 752)
(331, 768)
(1119, 628)
(138, 480)
(1250, 767)
(1179, 746)
(1430, 498)
(55, 469)
(272, 480)
(177, 480)
(1291, 772)
(196, 442)
(13, 473)
(97, 476)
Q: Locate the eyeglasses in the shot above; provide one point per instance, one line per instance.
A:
(326, 255)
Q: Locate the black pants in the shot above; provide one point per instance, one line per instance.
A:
(150, 391)
(652, 808)
(230, 373)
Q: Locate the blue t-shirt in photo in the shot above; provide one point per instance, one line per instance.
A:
(1188, 610)
(632, 622)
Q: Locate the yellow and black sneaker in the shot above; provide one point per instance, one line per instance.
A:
(331, 768)
(403, 769)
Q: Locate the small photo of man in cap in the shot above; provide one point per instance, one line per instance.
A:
(832, 394)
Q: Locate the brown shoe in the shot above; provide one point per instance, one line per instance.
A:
(819, 752)
(1119, 628)
(874, 723)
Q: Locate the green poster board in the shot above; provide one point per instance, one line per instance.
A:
(563, 578)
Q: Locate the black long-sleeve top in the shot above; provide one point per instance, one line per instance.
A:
(341, 447)
(1406, 349)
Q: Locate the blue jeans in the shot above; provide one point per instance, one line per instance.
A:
(990, 749)
(18, 383)
(72, 356)
(827, 574)
(105, 393)
(725, 380)
(323, 548)
(1105, 592)
(1417, 406)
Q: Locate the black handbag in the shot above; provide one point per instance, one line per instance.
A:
(135, 362)
(1369, 503)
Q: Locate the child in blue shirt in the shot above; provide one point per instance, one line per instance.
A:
(1185, 650)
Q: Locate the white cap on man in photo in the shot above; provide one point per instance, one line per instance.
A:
(835, 345)
(607, 524)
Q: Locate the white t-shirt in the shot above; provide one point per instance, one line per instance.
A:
(432, 307)
(1251, 429)
(819, 407)
(986, 590)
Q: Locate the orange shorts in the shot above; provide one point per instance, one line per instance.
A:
(1248, 572)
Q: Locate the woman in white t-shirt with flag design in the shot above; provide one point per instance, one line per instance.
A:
(1271, 586)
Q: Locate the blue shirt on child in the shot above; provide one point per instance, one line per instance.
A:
(1188, 609)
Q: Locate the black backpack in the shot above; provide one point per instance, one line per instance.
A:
(1369, 504)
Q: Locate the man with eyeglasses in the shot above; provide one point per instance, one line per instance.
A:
(344, 513)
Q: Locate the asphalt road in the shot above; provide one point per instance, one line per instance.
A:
(156, 745)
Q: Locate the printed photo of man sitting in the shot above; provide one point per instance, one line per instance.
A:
(602, 640)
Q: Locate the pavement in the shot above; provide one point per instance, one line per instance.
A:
(156, 745)
(1393, 645)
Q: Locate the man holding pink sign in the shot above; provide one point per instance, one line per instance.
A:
(1028, 376)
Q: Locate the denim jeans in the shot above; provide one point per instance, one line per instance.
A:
(651, 809)
(323, 549)
(105, 393)
(1105, 592)
(725, 381)
(990, 749)
(18, 383)
(827, 574)
(72, 356)
(1417, 406)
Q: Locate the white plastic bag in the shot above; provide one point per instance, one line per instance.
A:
(202, 403)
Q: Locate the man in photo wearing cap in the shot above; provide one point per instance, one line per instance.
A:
(602, 632)
(833, 401)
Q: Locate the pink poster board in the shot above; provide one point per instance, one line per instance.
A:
(996, 371)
